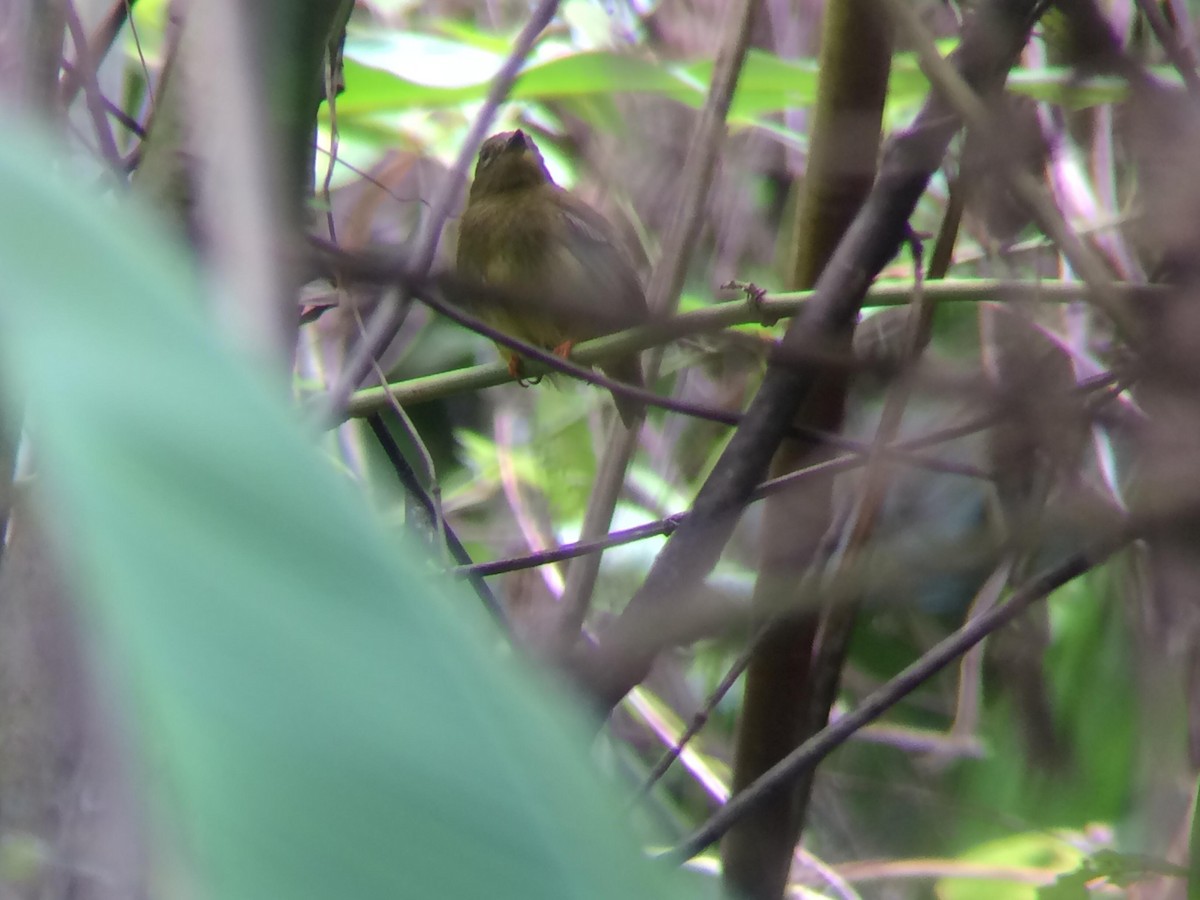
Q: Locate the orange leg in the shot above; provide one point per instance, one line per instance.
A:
(514, 369)
(564, 349)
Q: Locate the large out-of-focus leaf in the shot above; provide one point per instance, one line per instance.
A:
(380, 80)
(327, 716)
(391, 73)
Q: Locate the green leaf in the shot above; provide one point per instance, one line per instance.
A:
(1071, 886)
(766, 84)
(393, 74)
(605, 73)
(1126, 868)
(1117, 869)
(328, 716)
(1029, 852)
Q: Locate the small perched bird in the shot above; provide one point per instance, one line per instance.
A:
(560, 260)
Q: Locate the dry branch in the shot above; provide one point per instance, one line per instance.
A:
(812, 751)
(991, 42)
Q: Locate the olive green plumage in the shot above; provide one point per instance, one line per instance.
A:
(555, 255)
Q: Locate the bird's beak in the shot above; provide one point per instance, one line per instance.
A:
(518, 141)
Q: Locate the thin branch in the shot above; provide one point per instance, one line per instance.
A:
(331, 95)
(895, 870)
(812, 751)
(991, 42)
(570, 551)
(170, 41)
(718, 317)
(700, 719)
(899, 453)
(966, 103)
(412, 488)
(363, 174)
(99, 44)
(91, 90)
(388, 317)
(430, 500)
(1177, 52)
(666, 283)
(128, 122)
(667, 733)
(1094, 390)
(970, 670)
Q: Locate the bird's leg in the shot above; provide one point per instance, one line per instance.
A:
(563, 350)
(514, 369)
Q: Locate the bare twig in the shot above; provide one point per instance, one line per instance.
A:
(412, 487)
(700, 719)
(128, 122)
(99, 44)
(989, 46)
(430, 500)
(901, 452)
(821, 744)
(970, 670)
(1177, 52)
(170, 40)
(327, 181)
(85, 66)
(906, 451)
(570, 551)
(966, 103)
(898, 453)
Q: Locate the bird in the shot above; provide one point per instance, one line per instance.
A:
(560, 261)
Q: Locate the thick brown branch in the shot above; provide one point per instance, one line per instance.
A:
(990, 43)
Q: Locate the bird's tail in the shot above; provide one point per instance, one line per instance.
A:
(629, 370)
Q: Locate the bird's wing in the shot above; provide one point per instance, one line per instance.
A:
(605, 263)
(585, 223)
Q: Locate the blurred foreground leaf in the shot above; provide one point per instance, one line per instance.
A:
(320, 713)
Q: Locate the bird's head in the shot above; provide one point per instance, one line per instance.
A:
(508, 161)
